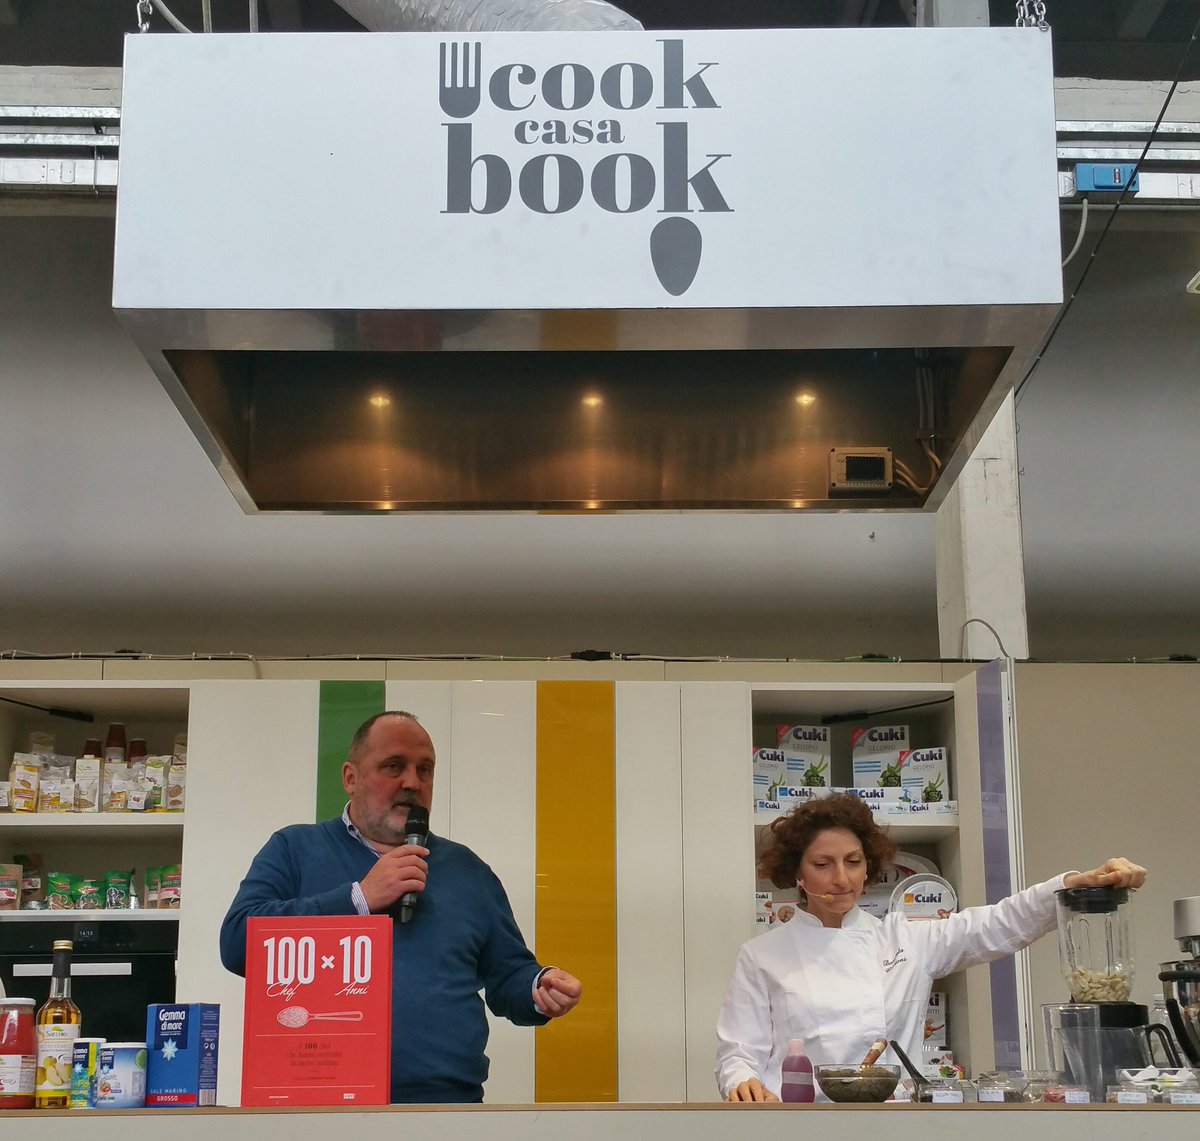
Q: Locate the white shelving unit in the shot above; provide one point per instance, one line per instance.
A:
(97, 826)
(91, 915)
(91, 843)
(937, 713)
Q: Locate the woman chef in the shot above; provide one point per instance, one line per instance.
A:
(840, 978)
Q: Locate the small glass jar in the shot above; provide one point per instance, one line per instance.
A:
(1095, 943)
(18, 1054)
(946, 1091)
(1130, 1093)
(115, 742)
(1067, 1093)
(1000, 1088)
(1038, 1081)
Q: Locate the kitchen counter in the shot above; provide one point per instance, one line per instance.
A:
(589, 1122)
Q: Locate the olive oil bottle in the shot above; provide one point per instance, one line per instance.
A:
(58, 1025)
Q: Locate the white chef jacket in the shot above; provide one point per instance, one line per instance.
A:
(840, 988)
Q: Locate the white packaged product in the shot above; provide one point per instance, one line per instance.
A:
(875, 755)
(807, 750)
(770, 771)
(87, 784)
(925, 774)
(925, 896)
(792, 796)
(936, 1034)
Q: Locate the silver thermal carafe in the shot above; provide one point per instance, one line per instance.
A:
(1181, 979)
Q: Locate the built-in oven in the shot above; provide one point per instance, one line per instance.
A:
(118, 967)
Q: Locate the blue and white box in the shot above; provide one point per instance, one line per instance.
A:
(181, 1041)
(770, 771)
(876, 753)
(808, 754)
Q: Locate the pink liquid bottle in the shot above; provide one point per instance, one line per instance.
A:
(797, 1074)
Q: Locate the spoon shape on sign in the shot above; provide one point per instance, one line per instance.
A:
(296, 1016)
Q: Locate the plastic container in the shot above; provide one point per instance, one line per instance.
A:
(924, 896)
(796, 1079)
(946, 1091)
(18, 1056)
(121, 1080)
(1095, 943)
(1001, 1088)
(1038, 1081)
(1067, 1094)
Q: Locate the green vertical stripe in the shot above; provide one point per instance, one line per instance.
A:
(345, 705)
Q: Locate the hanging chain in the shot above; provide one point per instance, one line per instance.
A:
(144, 11)
(1035, 18)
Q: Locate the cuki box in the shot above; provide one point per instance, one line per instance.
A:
(181, 1053)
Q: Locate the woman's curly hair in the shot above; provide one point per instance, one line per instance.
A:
(792, 834)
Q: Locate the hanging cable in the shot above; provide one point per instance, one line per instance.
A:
(170, 17)
(1079, 236)
(1062, 313)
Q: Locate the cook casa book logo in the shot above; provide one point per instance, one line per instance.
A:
(583, 135)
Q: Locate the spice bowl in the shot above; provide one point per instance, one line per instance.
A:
(857, 1083)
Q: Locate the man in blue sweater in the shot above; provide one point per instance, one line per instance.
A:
(462, 937)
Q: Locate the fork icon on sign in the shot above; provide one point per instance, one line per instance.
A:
(459, 70)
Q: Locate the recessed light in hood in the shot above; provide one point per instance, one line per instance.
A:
(684, 430)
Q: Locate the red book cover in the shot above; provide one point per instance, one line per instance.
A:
(318, 1025)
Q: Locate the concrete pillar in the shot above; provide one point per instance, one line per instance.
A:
(980, 561)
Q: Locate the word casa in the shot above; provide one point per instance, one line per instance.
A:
(554, 182)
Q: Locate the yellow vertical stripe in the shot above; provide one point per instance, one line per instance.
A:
(576, 1056)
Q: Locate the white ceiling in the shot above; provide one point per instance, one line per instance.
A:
(116, 532)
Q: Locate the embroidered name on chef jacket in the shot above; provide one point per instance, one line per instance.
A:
(901, 957)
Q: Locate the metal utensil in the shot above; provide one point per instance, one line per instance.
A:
(919, 1079)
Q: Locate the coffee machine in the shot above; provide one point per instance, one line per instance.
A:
(1181, 979)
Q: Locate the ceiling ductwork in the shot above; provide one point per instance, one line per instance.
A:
(557, 271)
(490, 16)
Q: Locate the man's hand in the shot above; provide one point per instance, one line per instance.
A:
(1117, 872)
(401, 870)
(752, 1090)
(557, 992)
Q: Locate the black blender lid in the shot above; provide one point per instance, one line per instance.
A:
(1093, 900)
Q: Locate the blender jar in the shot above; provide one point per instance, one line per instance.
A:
(1095, 943)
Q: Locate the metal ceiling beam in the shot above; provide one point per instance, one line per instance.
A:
(57, 150)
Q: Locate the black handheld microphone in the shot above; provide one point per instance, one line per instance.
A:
(416, 831)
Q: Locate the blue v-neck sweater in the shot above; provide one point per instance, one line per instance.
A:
(462, 938)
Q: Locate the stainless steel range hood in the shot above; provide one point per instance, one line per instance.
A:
(587, 272)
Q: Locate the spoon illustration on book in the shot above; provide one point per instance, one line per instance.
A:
(675, 248)
(296, 1016)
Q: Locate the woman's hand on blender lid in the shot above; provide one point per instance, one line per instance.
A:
(1117, 872)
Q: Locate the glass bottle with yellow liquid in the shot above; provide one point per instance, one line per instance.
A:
(58, 1025)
